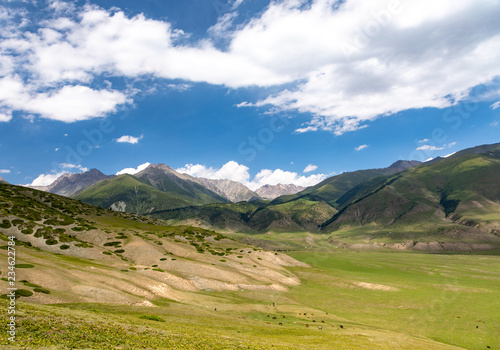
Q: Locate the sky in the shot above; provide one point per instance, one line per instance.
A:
(255, 91)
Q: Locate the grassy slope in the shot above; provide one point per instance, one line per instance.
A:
(166, 180)
(140, 197)
(191, 322)
(446, 195)
(450, 298)
(303, 211)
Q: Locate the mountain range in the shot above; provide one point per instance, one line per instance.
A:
(446, 198)
(159, 187)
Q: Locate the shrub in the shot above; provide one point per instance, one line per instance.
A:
(83, 245)
(24, 293)
(64, 247)
(29, 284)
(152, 318)
(24, 266)
(112, 244)
(5, 224)
(17, 222)
(41, 290)
(51, 241)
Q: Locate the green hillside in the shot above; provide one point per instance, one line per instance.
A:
(226, 216)
(131, 194)
(331, 189)
(456, 198)
(127, 193)
(304, 211)
(90, 278)
(165, 179)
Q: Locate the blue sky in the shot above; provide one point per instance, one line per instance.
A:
(250, 90)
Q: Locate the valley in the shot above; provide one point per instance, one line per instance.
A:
(374, 259)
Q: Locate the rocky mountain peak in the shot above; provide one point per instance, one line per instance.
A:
(274, 191)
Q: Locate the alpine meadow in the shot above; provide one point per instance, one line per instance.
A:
(250, 174)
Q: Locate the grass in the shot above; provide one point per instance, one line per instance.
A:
(100, 326)
(383, 299)
(426, 294)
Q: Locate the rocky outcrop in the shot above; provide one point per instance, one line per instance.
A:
(274, 191)
(232, 190)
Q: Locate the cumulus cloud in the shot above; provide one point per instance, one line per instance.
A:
(72, 166)
(347, 63)
(229, 171)
(5, 117)
(360, 148)
(4, 171)
(47, 179)
(375, 60)
(429, 148)
(424, 141)
(240, 173)
(133, 171)
(278, 176)
(129, 139)
(310, 168)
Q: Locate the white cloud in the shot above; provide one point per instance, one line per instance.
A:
(429, 148)
(179, 87)
(68, 104)
(387, 68)
(4, 171)
(56, 149)
(240, 173)
(133, 171)
(5, 117)
(360, 148)
(47, 179)
(495, 105)
(278, 176)
(229, 171)
(424, 141)
(451, 144)
(346, 63)
(495, 123)
(310, 168)
(73, 166)
(129, 139)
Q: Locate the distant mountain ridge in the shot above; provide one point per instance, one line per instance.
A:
(69, 185)
(156, 188)
(231, 190)
(3, 181)
(451, 203)
(274, 191)
(305, 210)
